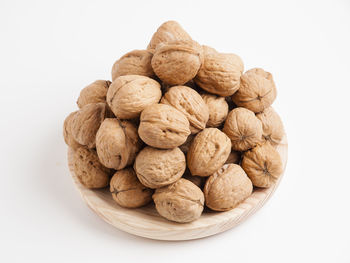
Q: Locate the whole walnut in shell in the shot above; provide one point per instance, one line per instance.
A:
(94, 93)
(177, 62)
(128, 95)
(208, 152)
(234, 157)
(88, 169)
(263, 165)
(127, 190)
(181, 201)
(220, 72)
(117, 143)
(136, 62)
(163, 126)
(67, 132)
(243, 128)
(190, 103)
(227, 188)
(257, 90)
(159, 167)
(272, 125)
(218, 109)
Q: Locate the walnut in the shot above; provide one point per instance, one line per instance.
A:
(67, 132)
(190, 103)
(163, 126)
(117, 143)
(177, 62)
(257, 90)
(186, 145)
(197, 180)
(227, 188)
(159, 167)
(234, 157)
(86, 122)
(220, 72)
(127, 190)
(128, 95)
(243, 128)
(218, 109)
(136, 62)
(88, 169)
(272, 125)
(208, 152)
(181, 202)
(94, 93)
(263, 165)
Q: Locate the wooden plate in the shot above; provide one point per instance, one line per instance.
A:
(146, 222)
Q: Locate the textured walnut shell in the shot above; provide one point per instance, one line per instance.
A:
(272, 125)
(190, 103)
(177, 62)
(186, 145)
(208, 152)
(88, 169)
(257, 90)
(218, 109)
(163, 126)
(263, 165)
(117, 143)
(220, 72)
(234, 157)
(167, 32)
(181, 202)
(127, 190)
(86, 122)
(243, 128)
(158, 167)
(94, 93)
(136, 62)
(67, 132)
(128, 95)
(227, 188)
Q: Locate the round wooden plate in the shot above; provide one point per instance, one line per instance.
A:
(146, 222)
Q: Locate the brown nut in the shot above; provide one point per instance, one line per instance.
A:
(128, 95)
(190, 103)
(197, 180)
(117, 143)
(218, 109)
(272, 125)
(186, 145)
(243, 128)
(94, 93)
(227, 188)
(67, 132)
(181, 202)
(163, 126)
(263, 165)
(88, 169)
(208, 152)
(177, 62)
(127, 190)
(86, 122)
(234, 157)
(220, 72)
(257, 90)
(136, 62)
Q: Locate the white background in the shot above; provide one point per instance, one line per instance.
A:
(51, 50)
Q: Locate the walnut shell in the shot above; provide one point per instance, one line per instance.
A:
(127, 190)
(94, 93)
(88, 169)
(128, 95)
(234, 157)
(257, 90)
(117, 143)
(181, 202)
(272, 125)
(208, 152)
(243, 128)
(67, 132)
(218, 109)
(263, 165)
(197, 180)
(177, 62)
(227, 188)
(190, 103)
(136, 62)
(163, 126)
(186, 145)
(158, 167)
(86, 122)
(220, 72)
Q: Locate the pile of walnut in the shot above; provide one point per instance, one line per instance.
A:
(181, 124)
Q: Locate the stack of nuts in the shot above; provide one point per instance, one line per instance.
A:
(180, 124)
